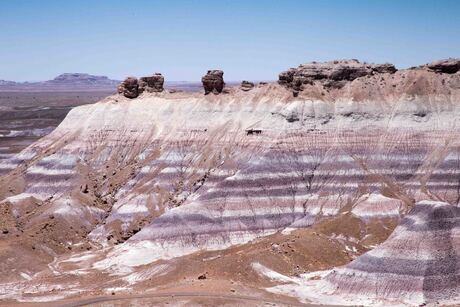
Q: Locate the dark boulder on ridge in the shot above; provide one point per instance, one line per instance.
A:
(129, 87)
(213, 82)
(247, 86)
(334, 74)
(449, 66)
(152, 84)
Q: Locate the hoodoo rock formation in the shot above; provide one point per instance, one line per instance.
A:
(129, 87)
(334, 74)
(144, 193)
(152, 84)
(213, 82)
(132, 88)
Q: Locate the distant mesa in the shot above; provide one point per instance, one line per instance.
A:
(213, 82)
(63, 82)
(83, 79)
(7, 83)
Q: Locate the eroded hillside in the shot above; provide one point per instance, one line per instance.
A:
(176, 190)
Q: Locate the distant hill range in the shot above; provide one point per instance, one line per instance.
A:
(85, 82)
(64, 82)
(69, 82)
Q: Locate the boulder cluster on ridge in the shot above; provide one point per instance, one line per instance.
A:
(129, 87)
(333, 74)
(449, 66)
(132, 88)
(322, 77)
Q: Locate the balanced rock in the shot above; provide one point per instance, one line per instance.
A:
(213, 82)
(129, 87)
(247, 86)
(449, 66)
(151, 84)
(334, 74)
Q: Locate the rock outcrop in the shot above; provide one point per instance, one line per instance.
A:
(132, 88)
(449, 66)
(152, 84)
(334, 74)
(246, 86)
(213, 82)
(129, 87)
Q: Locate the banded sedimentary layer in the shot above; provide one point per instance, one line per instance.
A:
(417, 265)
(164, 175)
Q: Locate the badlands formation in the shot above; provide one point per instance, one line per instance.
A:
(338, 184)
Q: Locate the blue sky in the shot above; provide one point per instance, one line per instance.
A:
(252, 40)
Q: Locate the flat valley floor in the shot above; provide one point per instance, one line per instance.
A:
(27, 116)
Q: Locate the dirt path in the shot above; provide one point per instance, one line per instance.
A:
(174, 296)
